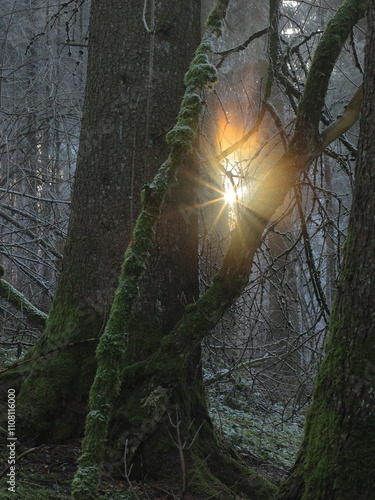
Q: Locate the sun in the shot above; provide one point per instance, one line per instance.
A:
(230, 196)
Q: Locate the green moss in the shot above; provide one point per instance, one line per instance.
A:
(64, 375)
(39, 395)
(13, 376)
(216, 16)
(181, 136)
(334, 463)
(326, 54)
(111, 346)
(203, 484)
(82, 484)
(167, 362)
(225, 477)
(17, 299)
(337, 455)
(205, 47)
(201, 74)
(26, 492)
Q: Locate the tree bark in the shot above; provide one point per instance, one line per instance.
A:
(132, 99)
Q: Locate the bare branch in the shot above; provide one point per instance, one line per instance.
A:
(239, 48)
(18, 300)
(345, 121)
(49, 200)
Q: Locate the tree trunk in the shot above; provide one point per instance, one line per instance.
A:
(336, 460)
(132, 98)
(156, 388)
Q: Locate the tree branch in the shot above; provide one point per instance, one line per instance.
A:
(344, 122)
(20, 302)
(336, 33)
(239, 48)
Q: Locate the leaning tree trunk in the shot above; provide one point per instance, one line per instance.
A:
(132, 97)
(336, 460)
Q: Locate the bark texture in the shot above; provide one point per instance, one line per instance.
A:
(132, 99)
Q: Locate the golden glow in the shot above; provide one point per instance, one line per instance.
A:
(230, 195)
(231, 172)
(235, 165)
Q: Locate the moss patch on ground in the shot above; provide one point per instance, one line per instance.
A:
(263, 432)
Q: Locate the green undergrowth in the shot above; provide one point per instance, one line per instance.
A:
(263, 429)
(33, 488)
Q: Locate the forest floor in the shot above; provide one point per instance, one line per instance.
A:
(265, 441)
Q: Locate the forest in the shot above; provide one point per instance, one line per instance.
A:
(187, 252)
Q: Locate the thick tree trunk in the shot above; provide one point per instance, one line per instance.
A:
(336, 460)
(132, 99)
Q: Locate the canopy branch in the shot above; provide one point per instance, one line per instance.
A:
(345, 121)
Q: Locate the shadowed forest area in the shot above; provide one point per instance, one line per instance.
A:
(187, 272)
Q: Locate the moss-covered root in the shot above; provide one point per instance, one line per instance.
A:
(110, 349)
(222, 475)
(177, 444)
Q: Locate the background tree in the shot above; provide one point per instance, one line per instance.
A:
(41, 93)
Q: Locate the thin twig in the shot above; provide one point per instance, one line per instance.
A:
(128, 472)
(20, 457)
(38, 198)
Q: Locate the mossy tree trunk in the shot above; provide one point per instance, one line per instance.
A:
(132, 99)
(151, 408)
(336, 460)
